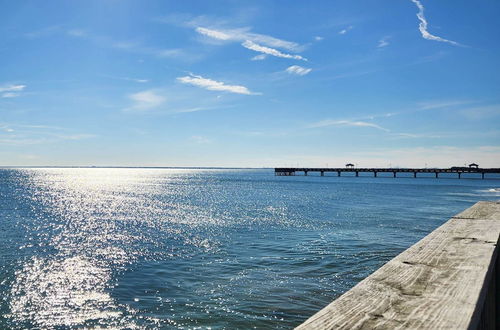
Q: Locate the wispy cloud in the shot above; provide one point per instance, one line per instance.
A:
(131, 46)
(270, 51)
(484, 112)
(417, 136)
(26, 134)
(243, 34)
(259, 57)
(329, 122)
(9, 95)
(443, 104)
(421, 107)
(77, 33)
(318, 38)
(298, 70)
(423, 26)
(146, 100)
(108, 42)
(196, 109)
(137, 80)
(384, 42)
(76, 137)
(10, 91)
(199, 139)
(27, 139)
(43, 32)
(218, 34)
(265, 44)
(6, 129)
(214, 85)
(12, 88)
(345, 30)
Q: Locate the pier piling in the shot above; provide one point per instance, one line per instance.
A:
(290, 171)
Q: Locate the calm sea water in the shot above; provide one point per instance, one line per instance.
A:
(170, 248)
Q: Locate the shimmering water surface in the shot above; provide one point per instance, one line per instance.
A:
(172, 248)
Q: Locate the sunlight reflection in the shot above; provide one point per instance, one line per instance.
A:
(97, 221)
(65, 291)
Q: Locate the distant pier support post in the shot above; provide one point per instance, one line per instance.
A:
(482, 175)
(437, 175)
(415, 175)
(357, 173)
(322, 173)
(459, 175)
(394, 173)
(374, 174)
(338, 173)
(305, 173)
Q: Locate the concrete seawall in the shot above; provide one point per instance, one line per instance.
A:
(447, 280)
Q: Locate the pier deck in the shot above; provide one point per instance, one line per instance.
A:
(290, 171)
(448, 280)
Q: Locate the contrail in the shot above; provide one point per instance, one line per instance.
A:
(423, 26)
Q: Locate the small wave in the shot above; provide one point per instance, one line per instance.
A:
(494, 191)
(489, 193)
(465, 194)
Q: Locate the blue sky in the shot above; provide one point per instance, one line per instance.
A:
(240, 83)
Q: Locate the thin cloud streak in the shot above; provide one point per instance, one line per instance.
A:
(423, 26)
(47, 31)
(259, 57)
(270, 51)
(198, 139)
(240, 35)
(216, 34)
(132, 47)
(146, 100)
(443, 104)
(9, 95)
(22, 134)
(12, 88)
(329, 122)
(196, 109)
(384, 42)
(11, 91)
(214, 85)
(137, 80)
(347, 29)
(298, 70)
(417, 136)
(481, 113)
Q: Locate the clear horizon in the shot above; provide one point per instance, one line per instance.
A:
(232, 84)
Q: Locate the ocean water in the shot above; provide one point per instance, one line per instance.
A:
(183, 248)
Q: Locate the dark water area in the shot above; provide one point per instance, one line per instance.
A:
(174, 248)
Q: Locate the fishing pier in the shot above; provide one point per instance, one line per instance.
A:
(472, 168)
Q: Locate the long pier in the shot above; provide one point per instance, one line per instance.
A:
(290, 171)
(448, 280)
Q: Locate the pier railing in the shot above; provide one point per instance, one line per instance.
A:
(291, 171)
(448, 280)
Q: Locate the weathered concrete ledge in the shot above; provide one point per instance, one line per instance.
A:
(448, 280)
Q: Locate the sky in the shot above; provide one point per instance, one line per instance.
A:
(401, 83)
